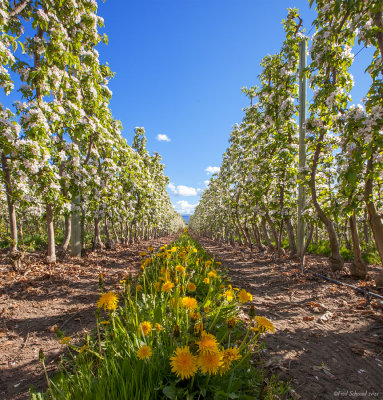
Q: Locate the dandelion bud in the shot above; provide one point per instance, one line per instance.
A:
(252, 312)
(101, 281)
(41, 355)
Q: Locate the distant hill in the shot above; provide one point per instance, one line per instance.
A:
(186, 218)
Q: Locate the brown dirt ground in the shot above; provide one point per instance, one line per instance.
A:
(328, 340)
(64, 294)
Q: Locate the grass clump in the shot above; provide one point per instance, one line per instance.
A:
(175, 333)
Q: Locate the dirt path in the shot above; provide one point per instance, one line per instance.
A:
(64, 295)
(328, 339)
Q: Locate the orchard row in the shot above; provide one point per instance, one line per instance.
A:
(62, 153)
(254, 197)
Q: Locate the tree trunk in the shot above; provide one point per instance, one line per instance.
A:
(247, 235)
(257, 236)
(373, 217)
(21, 233)
(273, 231)
(122, 236)
(358, 267)
(116, 239)
(67, 229)
(266, 234)
(51, 258)
(128, 233)
(290, 233)
(366, 232)
(336, 260)
(108, 244)
(309, 238)
(97, 242)
(11, 206)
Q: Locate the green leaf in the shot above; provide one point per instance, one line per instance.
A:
(170, 392)
(22, 46)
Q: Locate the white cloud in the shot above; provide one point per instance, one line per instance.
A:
(184, 207)
(162, 138)
(212, 170)
(206, 182)
(182, 190)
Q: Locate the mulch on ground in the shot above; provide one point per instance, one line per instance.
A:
(65, 295)
(328, 340)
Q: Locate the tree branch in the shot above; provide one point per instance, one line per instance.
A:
(18, 8)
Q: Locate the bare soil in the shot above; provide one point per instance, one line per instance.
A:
(64, 294)
(328, 339)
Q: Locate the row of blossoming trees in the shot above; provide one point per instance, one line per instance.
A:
(254, 196)
(61, 151)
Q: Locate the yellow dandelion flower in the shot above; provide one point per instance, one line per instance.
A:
(206, 309)
(108, 301)
(143, 253)
(150, 248)
(173, 249)
(264, 324)
(191, 287)
(210, 362)
(212, 274)
(65, 340)
(189, 302)
(195, 250)
(229, 355)
(167, 286)
(180, 269)
(185, 230)
(157, 286)
(198, 328)
(145, 328)
(145, 263)
(218, 262)
(229, 295)
(105, 322)
(157, 327)
(244, 296)
(183, 363)
(182, 254)
(206, 280)
(139, 288)
(231, 322)
(144, 352)
(208, 343)
(195, 316)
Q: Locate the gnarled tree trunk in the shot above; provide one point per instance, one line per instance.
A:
(358, 267)
(266, 234)
(67, 230)
(290, 233)
(336, 260)
(374, 218)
